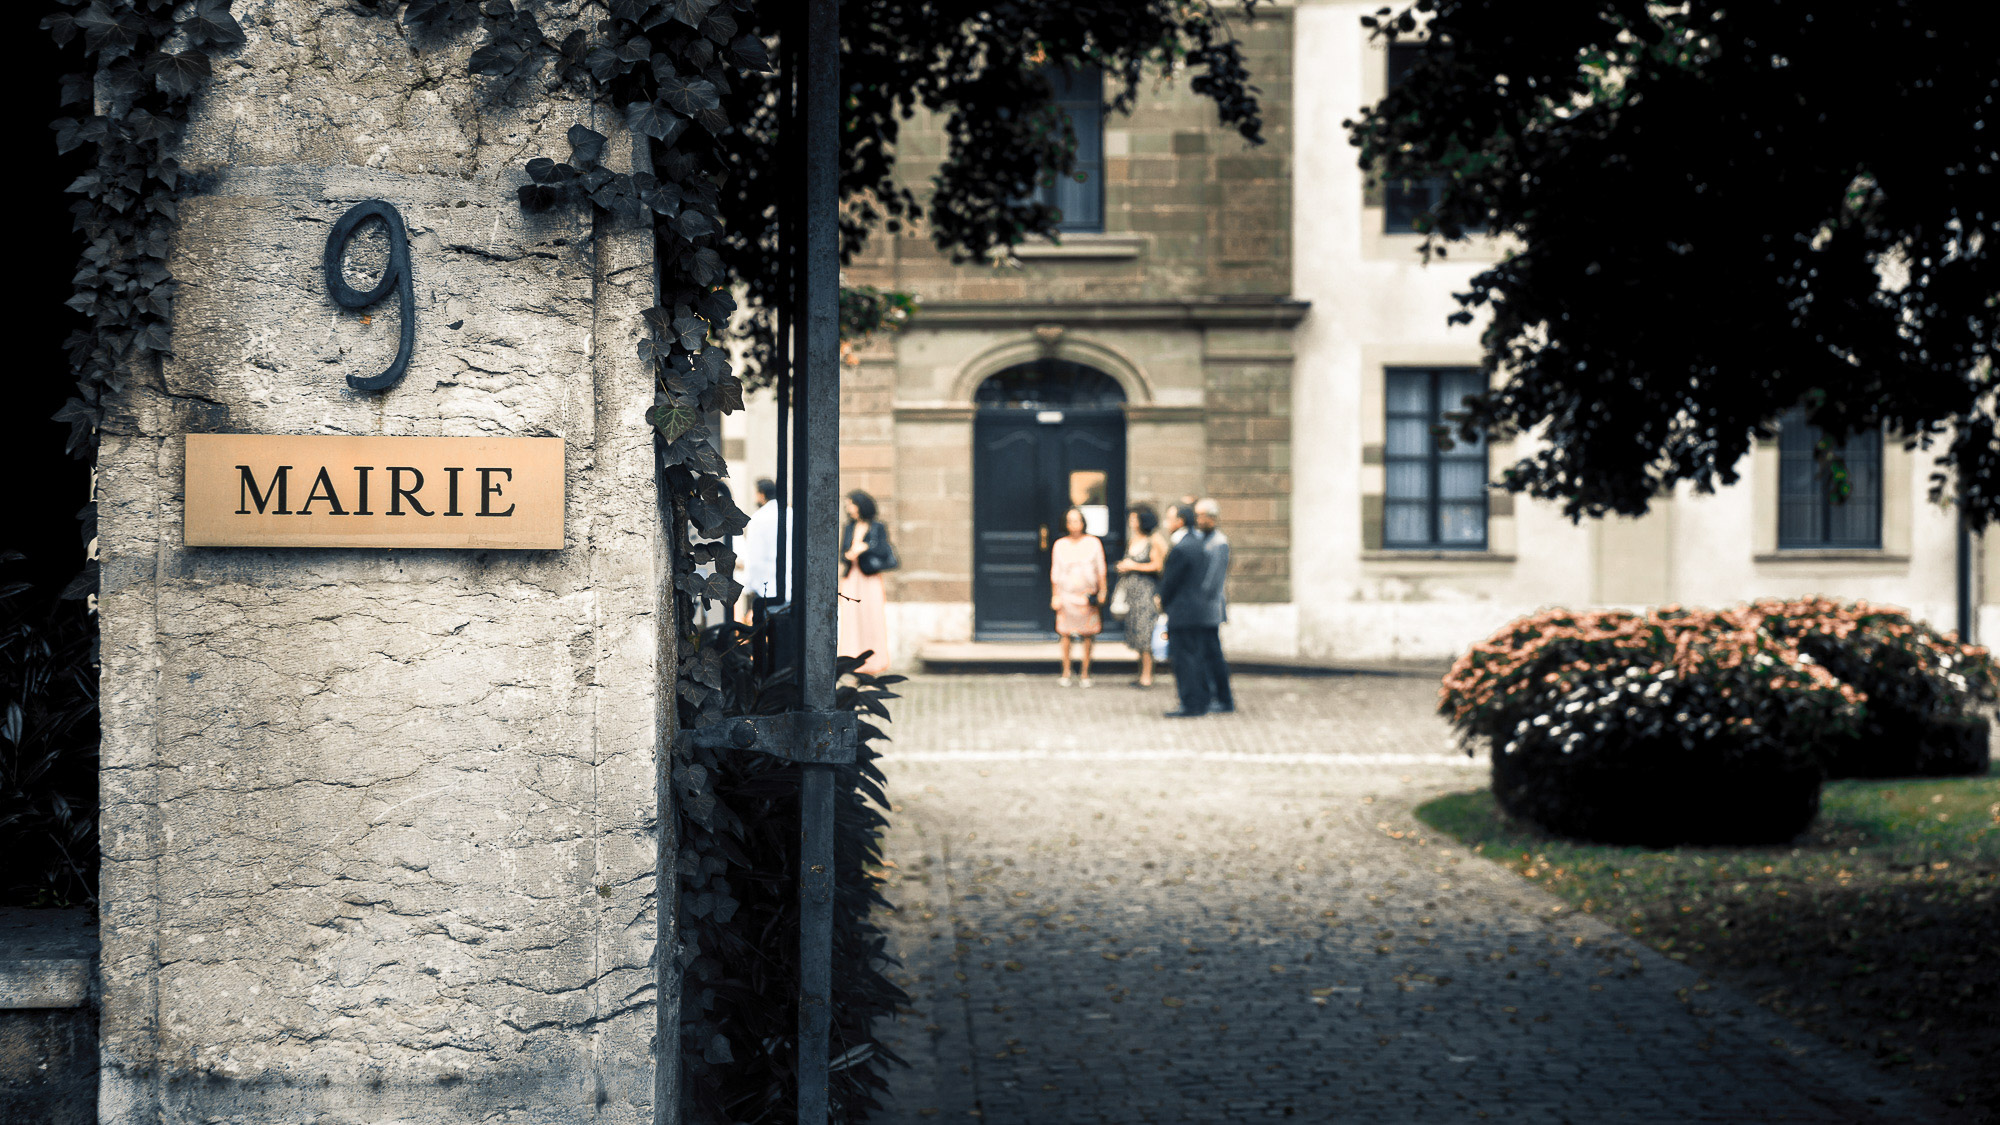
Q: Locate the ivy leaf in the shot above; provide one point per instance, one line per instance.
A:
(672, 421)
(658, 322)
(426, 13)
(689, 96)
(716, 120)
(61, 27)
(663, 198)
(573, 49)
(705, 266)
(154, 337)
(716, 305)
(211, 25)
(542, 170)
(76, 89)
(693, 223)
(603, 64)
(179, 73)
(105, 34)
(649, 118)
(690, 12)
(122, 81)
(586, 146)
(718, 27)
(76, 410)
(725, 396)
(712, 364)
(143, 126)
(537, 198)
(636, 49)
(690, 331)
(502, 57)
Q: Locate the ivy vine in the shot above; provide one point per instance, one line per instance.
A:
(668, 66)
(148, 57)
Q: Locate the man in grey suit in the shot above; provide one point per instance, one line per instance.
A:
(1214, 585)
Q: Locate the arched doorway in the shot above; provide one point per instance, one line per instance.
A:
(1048, 434)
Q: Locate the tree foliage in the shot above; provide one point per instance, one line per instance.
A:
(1719, 211)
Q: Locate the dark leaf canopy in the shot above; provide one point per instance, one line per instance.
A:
(1717, 212)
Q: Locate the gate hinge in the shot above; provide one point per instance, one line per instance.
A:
(821, 737)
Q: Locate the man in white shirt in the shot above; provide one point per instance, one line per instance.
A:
(757, 555)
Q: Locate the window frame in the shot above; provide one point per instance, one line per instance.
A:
(1793, 428)
(1071, 102)
(1433, 459)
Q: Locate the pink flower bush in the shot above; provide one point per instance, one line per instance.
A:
(1549, 654)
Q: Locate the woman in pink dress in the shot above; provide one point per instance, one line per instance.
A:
(863, 625)
(1076, 589)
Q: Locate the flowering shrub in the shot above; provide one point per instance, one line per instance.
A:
(1921, 688)
(1517, 672)
(1674, 726)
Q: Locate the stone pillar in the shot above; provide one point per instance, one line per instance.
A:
(379, 825)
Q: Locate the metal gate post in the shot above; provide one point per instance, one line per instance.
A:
(817, 392)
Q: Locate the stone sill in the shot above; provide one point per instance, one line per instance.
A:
(45, 958)
(1399, 555)
(1083, 246)
(1229, 312)
(1832, 555)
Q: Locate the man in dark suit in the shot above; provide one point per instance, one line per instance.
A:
(1191, 616)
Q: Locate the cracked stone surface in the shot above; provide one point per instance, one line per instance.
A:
(1106, 916)
(378, 826)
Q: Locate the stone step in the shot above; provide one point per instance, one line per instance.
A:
(1022, 656)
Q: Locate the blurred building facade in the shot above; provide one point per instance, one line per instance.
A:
(1256, 324)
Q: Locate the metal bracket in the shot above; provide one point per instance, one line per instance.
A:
(819, 737)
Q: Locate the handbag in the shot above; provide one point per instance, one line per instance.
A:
(1121, 599)
(1159, 638)
(875, 560)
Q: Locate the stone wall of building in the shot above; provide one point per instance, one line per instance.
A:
(1183, 298)
(1376, 303)
(379, 825)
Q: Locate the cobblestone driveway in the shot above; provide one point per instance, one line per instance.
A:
(1106, 916)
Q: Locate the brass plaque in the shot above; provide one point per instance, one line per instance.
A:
(276, 490)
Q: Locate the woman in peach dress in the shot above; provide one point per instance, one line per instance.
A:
(1076, 589)
(864, 607)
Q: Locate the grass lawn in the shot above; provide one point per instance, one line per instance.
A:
(1878, 929)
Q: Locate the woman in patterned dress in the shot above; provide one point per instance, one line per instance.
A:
(1139, 586)
(1076, 589)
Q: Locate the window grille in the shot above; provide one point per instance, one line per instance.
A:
(1829, 493)
(1435, 497)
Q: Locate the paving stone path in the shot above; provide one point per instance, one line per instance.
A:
(1106, 916)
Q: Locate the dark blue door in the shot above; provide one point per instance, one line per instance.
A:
(1029, 467)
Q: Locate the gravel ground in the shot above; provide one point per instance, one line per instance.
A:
(1107, 916)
